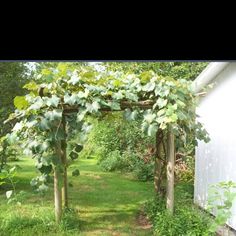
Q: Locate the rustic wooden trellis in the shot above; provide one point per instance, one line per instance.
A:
(61, 194)
(170, 106)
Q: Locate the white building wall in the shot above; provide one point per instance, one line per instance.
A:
(216, 160)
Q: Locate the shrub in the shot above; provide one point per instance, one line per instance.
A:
(112, 133)
(220, 201)
(116, 161)
(112, 162)
(187, 219)
(154, 206)
(137, 163)
(128, 162)
(13, 158)
(143, 171)
(184, 169)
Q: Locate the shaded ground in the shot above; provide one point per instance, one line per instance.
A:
(143, 221)
(107, 203)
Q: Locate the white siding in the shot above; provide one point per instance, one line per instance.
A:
(216, 160)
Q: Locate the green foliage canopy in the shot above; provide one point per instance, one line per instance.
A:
(90, 89)
(12, 78)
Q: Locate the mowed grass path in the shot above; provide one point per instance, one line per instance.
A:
(107, 203)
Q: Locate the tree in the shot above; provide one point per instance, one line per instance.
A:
(12, 78)
(176, 70)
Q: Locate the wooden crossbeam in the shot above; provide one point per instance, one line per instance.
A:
(147, 104)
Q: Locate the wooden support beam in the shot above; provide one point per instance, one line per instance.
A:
(142, 104)
(64, 164)
(67, 109)
(57, 186)
(158, 164)
(147, 104)
(170, 172)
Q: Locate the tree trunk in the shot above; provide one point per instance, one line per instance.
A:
(64, 163)
(170, 172)
(158, 165)
(65, 181)
(57, 195)
(58, 184)
(157, 174)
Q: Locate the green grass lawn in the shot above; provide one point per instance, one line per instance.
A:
(106, 204)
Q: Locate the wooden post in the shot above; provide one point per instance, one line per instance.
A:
(64, 163)
(158, 163)
(170, 172)
(57, 187)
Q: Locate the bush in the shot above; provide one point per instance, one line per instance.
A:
(143, 171)
(187, 219)
(136, 163)
(120, 145)
(116, 161)
(112, 162)
(93, 151)
(184, 170)
(13, 158)
(128, 162)
(154, 206)
(113, 132)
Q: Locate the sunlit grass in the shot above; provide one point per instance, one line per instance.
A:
(104, 203)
